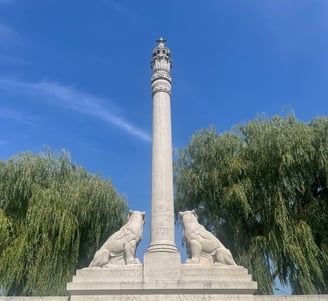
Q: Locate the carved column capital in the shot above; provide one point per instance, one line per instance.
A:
(161, 65)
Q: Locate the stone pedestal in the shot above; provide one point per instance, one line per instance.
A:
(162, 266)
(195, 282)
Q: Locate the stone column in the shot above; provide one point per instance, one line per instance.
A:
(162, 253)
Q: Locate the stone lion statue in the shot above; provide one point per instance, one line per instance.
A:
(201, 243)
(120, 248)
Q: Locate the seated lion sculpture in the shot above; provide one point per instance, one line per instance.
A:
(202, 243)
(120, 248)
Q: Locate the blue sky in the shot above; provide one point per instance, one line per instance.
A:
(75, 74)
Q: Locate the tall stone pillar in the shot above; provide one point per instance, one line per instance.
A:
(162, 276)
(162, 260)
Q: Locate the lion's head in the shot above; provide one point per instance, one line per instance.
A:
(187, 217)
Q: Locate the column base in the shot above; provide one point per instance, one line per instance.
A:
(161, 266)
(162, 247)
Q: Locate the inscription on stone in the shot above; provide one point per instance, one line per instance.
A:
(162, 230)
(183, 297)
(161, 210)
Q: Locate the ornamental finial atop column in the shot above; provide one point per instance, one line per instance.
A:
(160, 42)
(161, 57)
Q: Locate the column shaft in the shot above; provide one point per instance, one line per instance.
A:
(162, 204)
(162, 259)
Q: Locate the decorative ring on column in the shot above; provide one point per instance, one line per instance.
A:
(161, 85)
(161, 75)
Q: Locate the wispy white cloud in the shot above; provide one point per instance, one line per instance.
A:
(75, 100)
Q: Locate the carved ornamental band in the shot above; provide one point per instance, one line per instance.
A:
(161, 86)
(161, 75)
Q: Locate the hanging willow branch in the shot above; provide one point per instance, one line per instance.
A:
(263, 189)
(53, 216)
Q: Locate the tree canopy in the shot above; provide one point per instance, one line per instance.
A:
(53, 216)
(262, 189)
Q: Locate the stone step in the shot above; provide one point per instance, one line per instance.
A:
(134, 273)
(119, 274)
(181, 287)
(214, 273)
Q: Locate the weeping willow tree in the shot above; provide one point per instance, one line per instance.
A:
(263, 190)
(53, 216)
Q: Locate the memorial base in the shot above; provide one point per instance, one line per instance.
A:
(164, 297)
(196, 283)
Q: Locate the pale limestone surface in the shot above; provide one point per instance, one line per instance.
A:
(292, 298)
(34, 298)
(195, 281)
(162, 259)
(120, 248)
(202, 246)
(174, 297)
(163, 297)
(112, 274)
(161, 266)
(162, 211)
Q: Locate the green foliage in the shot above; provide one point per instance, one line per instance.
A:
(263, 190)
(53, 217)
